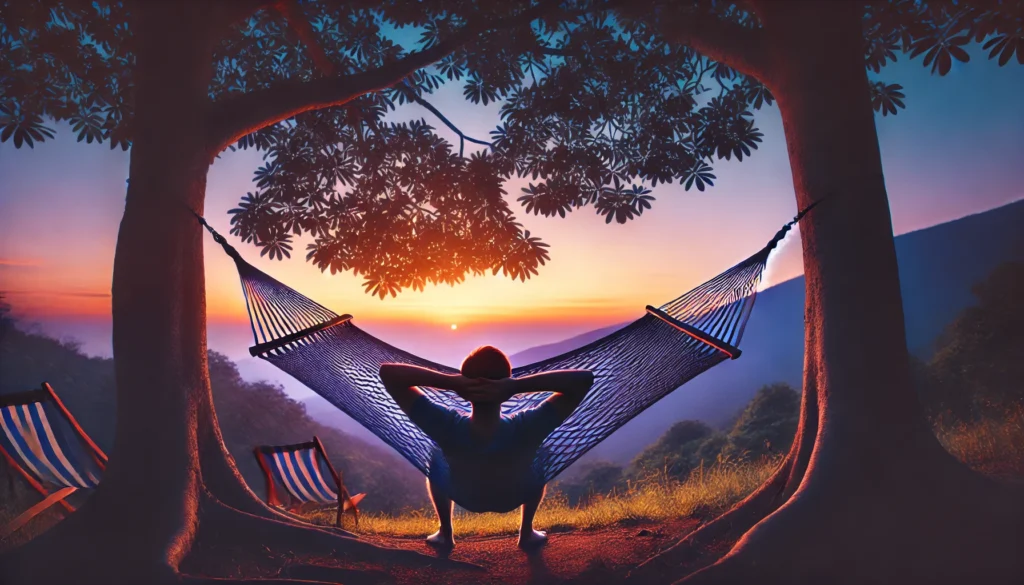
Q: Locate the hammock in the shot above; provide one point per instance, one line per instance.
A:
(633, 367)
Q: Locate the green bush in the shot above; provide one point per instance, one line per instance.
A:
(767, 424)
(977, 370)
(590, 479)
(679, 450)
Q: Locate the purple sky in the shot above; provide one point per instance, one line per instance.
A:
(956, 150)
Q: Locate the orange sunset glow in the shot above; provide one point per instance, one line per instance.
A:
(59, 226)
(507, 293)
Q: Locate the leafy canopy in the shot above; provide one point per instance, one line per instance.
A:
(599, 102)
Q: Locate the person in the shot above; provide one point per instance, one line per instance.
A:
(484, 461)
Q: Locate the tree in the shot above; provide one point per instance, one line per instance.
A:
(768, 423)
(680, 449)
(178, 83)
(598, 106)
(864, 473)
(977, 368)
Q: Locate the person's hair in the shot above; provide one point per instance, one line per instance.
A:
(487, 362)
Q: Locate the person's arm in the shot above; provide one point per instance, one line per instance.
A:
(570, 387)
(400, 381)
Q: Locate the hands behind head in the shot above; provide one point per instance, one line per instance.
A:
(485, 389)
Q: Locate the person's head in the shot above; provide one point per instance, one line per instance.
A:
(487, 362)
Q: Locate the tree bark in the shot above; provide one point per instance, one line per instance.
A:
(168, 454)
(866, 493)
(880, 499)
(144, 513)
(692, 551)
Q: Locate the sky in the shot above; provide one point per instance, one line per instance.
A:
(955, 151)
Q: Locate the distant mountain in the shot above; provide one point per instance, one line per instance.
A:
(543, 352)
(325, 413)
(938, 267)
(317, 408)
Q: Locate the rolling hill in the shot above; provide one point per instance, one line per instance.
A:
(938, 267)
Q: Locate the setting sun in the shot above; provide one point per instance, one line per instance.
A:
(454, 326)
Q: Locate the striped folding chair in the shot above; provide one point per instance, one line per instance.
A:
(42, 442)
(297, 468)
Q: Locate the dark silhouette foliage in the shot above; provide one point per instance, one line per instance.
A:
(977, 367)
(589, 479)
(680, 449)
(599, 102)
(648, 92)
(765, 426)
(768, 423)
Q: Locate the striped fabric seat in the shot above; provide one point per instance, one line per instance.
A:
(42, 441)
(298, 469)
(45, 448)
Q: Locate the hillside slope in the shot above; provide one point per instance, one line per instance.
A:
(250, 414)
(938, 267)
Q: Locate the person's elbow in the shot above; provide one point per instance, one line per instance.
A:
(388, 374)
(586, 382)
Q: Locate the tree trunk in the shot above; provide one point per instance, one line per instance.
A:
(697, 549)
(881, 500)
(170, 481)
(144, 513)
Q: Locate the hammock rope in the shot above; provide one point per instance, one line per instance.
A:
(633, 367)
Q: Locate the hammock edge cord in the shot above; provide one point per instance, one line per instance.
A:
(635, 366)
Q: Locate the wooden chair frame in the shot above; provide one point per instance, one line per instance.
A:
(43, 394)
(346, 503)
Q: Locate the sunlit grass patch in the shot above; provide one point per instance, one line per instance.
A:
(992, 445)
(656, 497)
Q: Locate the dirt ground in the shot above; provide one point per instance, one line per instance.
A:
(579, 557)
(574, 557)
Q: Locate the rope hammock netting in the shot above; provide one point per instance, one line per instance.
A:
(633, 367)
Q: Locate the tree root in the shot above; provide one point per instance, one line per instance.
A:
(682, 556)
(62, 555)
(919, 529)
(223, 482)
(221, 523)
(337, 575)
(729, 526)
(193, 580)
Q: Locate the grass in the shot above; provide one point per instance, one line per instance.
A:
(994, 445)
(654, 498)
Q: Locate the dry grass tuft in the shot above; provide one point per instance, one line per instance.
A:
(656, 497)
(993, 445)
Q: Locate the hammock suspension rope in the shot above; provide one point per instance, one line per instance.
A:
(634, 366)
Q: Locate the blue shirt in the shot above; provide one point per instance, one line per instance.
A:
(495, 475)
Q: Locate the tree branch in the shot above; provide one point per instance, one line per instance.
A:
(463, 138)
(737, 47)
(558, 52)
(300, 25)
(233, 117)
(224, 14)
